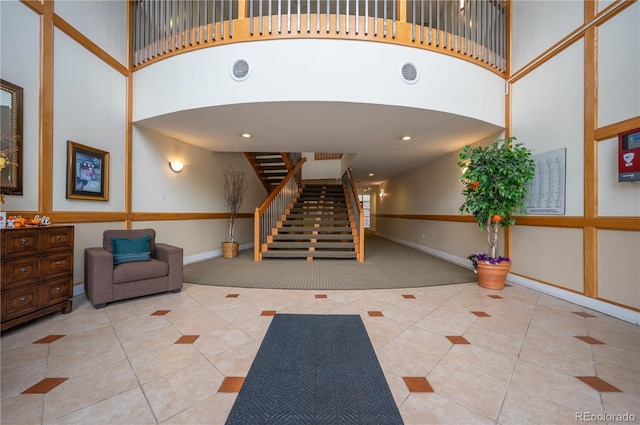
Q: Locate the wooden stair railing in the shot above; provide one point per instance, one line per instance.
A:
(274, 207)
(270, 167)
(358, 213)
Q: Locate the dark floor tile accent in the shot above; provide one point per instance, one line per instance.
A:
(457, 339)
(160, 312)
(321, 295)
(481, 314)
(232, 295)
(583, 314)
(408, 296)
(44, 386)
(187, 339)
(375, 313)
(48, 339)
(268, 313)
(589, 340)
(495, 297)
(231, 384)
(417, 384)
(598, 384)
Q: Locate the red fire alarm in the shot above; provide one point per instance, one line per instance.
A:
(629, 156)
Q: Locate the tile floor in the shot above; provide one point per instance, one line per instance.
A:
(451, 355)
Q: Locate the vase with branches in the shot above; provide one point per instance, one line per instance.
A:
(495, 178)
(235, 186)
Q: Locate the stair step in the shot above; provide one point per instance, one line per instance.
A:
(305, 254)
(305, 245)
(312, 216)
(308, 237)
(335, 229)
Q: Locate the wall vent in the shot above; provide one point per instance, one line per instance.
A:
(240, 70)
(409, 73)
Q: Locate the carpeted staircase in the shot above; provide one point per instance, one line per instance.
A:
(319, 225)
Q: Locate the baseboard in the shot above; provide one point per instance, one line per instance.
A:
(211, 254)
(581, 300)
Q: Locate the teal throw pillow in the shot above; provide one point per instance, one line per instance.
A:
(130, 250)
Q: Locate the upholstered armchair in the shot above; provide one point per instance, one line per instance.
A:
(131, 264)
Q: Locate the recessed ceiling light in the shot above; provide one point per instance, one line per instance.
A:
(406, 138)
(370, 174)
(246, 135)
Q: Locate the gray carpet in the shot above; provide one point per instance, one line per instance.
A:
(312, 370)
(387, 265)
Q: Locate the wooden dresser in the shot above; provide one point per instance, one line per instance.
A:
(37, 272)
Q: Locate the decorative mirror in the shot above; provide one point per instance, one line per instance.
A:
(11, 138)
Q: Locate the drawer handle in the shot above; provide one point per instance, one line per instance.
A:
(58, 238)
(58, 289)
(23, 270)
(23, 241)
(23, 300)
(58, 263)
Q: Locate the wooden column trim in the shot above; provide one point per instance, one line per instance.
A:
(45, 170)
(590, 234)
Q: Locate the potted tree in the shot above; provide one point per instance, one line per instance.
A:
(495, 178)
(235, 186)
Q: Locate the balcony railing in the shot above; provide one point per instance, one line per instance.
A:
(471, 29)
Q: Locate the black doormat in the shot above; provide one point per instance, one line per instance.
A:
(315, 369)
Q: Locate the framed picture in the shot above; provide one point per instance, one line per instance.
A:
(87, 172)
(10, 138)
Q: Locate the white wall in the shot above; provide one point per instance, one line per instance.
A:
(538, 25)
(90, 108)
(197, 188)
(321, 169)
(21, 66)
(547, 114)
(326, 70)
(619, 67)
(102, 21)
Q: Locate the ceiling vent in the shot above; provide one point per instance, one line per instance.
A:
(409, 73)
(240, 70)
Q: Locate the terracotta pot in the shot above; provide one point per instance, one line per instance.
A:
(493, 276)
(230, 249)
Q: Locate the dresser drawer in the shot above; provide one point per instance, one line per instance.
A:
(21, 242)
(20, 271)
(19, 301)
(56, 290)
(58, 238)
(56, 264)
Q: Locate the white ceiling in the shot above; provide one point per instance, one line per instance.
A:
(371, 132)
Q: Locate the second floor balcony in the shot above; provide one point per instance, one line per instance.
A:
(472, 30)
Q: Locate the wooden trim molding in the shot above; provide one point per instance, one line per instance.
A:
(612, 130)
(572, 222)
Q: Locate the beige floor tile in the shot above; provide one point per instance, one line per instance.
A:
(489, 363)
(447, 320)
(23, 355)
(177, 391)
(572, 357)
(81, 319)
(473, 390)
(627, 380)
(405, 361)
(126, 408)
(625, 407)
(165, 360)
(556, 387)
(237, 361)
(16, 380)
(219, 341)
(211, 411)
(524, 408)
(26, 334)
(433, 409)
(424, 341)
(135, 344)
(23, 409)
(81, 391)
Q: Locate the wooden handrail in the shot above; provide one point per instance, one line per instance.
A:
(262, 208)
(360, 253)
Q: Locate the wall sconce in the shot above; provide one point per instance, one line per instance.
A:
(381, 192)
(176, 166)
